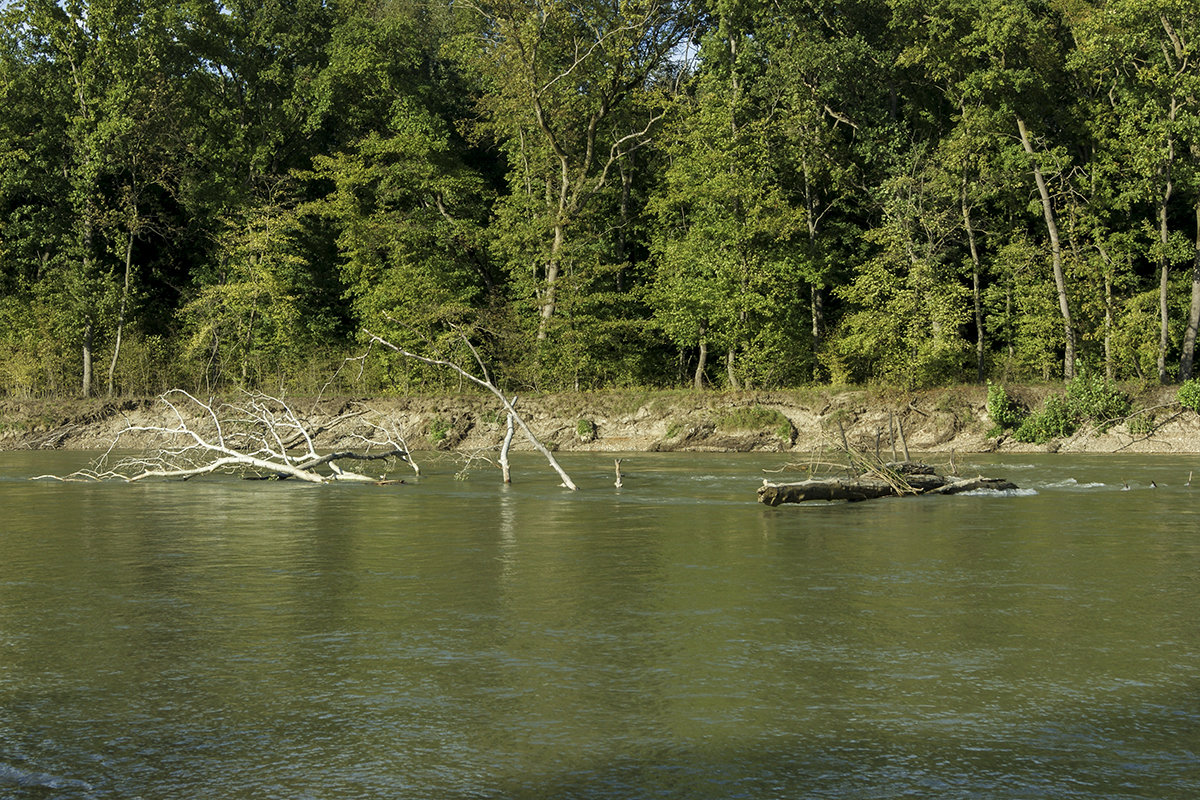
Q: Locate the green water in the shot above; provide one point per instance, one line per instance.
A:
(671, 639)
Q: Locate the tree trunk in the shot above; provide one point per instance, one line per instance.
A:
(1108, 328)
(1060, 282)
(816, 299)
(86, 385)
(1108, 310)
(870, 487)
(1137, 368)
(1008, 318)
(505, 472)
(1163, 312)
(975, 283)
(548, 296)
(701, 362)
(817, 307)
(1189, 335)
(817, 302)
(112, 367)
(622, 243)
(1164, 267)
(729, 371)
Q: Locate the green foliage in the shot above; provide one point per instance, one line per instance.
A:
(756, 418)
(249, 320)
(1095, 399)
(833, 191)
(405, 213)
(722, 270)
(148, 362)
(1004, 412)
(908, 308)
(439, 429)
(1087, 399)
(1055, 420)
(1188, 394)
(1141, 425)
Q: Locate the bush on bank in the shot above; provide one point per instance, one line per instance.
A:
(1086, 399)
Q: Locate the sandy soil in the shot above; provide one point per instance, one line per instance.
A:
(936, 421)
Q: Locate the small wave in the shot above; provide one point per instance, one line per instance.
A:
(1074, 484)
(15, 776)
(1001, 493)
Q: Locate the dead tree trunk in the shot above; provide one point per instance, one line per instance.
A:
(899, 481)
(506, 444)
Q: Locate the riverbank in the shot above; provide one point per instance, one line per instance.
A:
(806, 420)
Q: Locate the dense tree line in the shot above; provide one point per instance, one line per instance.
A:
(595, 193)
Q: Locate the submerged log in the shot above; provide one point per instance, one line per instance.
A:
(896, 481)
(972, 484)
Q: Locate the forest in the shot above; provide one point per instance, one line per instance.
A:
(583, 194)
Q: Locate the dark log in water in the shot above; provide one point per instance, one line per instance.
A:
(905, 480)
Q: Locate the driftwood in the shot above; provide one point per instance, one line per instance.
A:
(259, 437)
(892, 480)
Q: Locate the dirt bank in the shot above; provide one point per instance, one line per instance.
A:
(629, 421)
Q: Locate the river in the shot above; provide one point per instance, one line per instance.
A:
(453, 638)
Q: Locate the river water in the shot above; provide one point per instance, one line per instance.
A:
(456, 638)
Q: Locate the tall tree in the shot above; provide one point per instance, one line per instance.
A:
(108, 81)
(1009, 55)
(569, 91)
(723, 230)
(830, 83)
(908, 305)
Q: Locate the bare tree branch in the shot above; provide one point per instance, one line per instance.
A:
(491, 387)
(261, 436)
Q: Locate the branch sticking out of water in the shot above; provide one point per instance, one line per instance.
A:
(485, 383)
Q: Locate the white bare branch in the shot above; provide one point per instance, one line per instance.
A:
(491, 387)
(260, 436)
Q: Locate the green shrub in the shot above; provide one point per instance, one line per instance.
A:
(1055, 420)
(756, 418)
(1092, 397)
(1086, 398)
(1141, 425)
(1189, 394)
(438, 430)
(1002, 409)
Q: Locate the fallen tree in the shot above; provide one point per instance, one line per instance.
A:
(890, 480)
(258, 437)
(485, 382)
